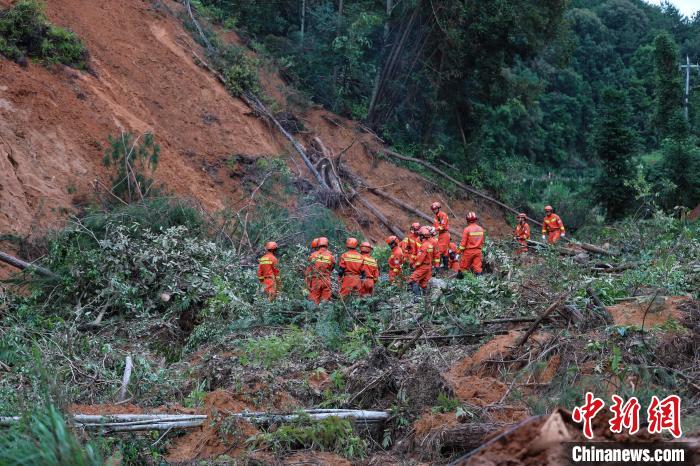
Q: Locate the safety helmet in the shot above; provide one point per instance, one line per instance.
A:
(423, 231)
(521, 215)
(548, 208)
(415, 226)
(435, 206)
(270, 245)
(314, 243)
(471, 217)
(323, 242)
(351, 243)
(453, 247)
(392, 239)
(365, 246)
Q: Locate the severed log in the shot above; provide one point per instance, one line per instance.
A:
(599, 305)
(619, 268)
(443, 441)
(22, 265)
(597, 249)
(462, 186)
(521, 341)
(126, 422)
(365, 416)
(393, 228)
(128, 365)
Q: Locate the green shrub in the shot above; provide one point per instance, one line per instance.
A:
(25, 32)
(44, 439)
(330, 434)
(132, 157)
(240, 71)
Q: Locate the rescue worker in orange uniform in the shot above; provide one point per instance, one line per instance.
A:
(350, 268)
(442, 225)
(423, 266)
(268, 273)
(395, 260)
(470, 247)
(411, 243)
(318, 272)
(370, 270)
(552, 226)
(453, 254)
(314, 246)
(522, 233)
(437, 258)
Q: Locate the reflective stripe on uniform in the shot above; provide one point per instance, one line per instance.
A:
(476, 233)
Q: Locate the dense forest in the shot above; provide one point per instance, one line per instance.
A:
(505, 91)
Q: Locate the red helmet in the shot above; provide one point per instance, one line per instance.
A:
(351, 243)
(423, 231)
(270, 245)
(415, 226)
(548, 208)
(322, 242)
(314, 243)
(391, 239)
(435, 206)
(471, 217)
(365, 246)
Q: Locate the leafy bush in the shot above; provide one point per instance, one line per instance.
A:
(44, 439)
(132, 157)
(241, 73)
(25, 32)
(330, 434)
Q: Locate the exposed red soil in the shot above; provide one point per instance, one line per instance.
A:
(648, 314)
(105, 409)
(54, 124)
(209, 441)
(319, 381)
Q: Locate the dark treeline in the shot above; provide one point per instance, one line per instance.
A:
(509, 92)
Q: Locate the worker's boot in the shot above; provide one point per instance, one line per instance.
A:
(417, 292)
(445, 262)
(460, 275)
(478, 274)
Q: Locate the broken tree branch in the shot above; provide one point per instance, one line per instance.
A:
(128, 365)
(22, 265)
(521, 341)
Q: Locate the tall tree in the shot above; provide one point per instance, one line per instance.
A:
(615, 143)
(669, 91)
(681, 164)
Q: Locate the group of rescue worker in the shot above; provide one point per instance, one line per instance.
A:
(425, 249)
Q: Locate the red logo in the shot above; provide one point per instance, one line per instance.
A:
(625, 415)
(587, 412)
(665, 415)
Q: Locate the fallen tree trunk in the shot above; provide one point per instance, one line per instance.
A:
(22, 265)
(619, 268)
(127, 422)
(521, 341)
(316, 414)
(459, 184)
(442, 441)
(377, 213)
(597, 249)
(128, 364)
(599, 305)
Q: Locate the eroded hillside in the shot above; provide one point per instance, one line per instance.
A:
(54, 124)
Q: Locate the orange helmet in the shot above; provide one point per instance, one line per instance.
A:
(322, 242)
(435, 206)
(548, 208)
(270, 245)
(521, 215)
(453, 247)
(351, 243)
(415, 226)
(365, 246)
(392, 239)
(314, 243)
(471, 217)
(423, 231)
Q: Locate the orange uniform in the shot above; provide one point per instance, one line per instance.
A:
(442, 225)
(423, 267)
(436, 251)
(318, 275)
(553, 228)
(410, 246)
(453, 263)
(268, 274)
(351, 263)
(395, 263)
(522, 234)
(470, 248)
(371, 274)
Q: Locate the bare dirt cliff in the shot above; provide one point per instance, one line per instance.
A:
(54, 123)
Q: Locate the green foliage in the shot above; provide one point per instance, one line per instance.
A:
(681, 168)
(26, 33)
(330, 434)
(446, 404)
(44, 439)
(271, 350)
(240, 72)
(132, 157)
(615, 144)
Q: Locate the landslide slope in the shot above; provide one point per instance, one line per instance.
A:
(54, 124)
